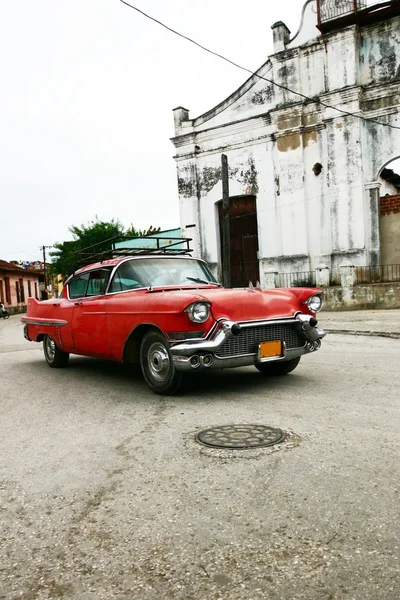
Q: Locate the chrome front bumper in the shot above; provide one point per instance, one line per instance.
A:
(199, 355)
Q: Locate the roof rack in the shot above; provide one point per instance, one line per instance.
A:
(154, 245)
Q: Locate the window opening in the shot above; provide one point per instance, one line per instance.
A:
(21, 290)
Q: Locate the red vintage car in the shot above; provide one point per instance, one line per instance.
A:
(163, 309)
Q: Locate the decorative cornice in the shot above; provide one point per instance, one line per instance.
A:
(262, 139)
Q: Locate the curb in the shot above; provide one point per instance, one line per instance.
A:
(395, 336)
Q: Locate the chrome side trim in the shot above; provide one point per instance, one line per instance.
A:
(45, 322)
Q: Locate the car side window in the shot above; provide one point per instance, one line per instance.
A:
(89, 284)
(125, 278)
(97, 282)
(77, 287)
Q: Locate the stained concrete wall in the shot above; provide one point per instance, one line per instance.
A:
(359, 297)
(313, 169)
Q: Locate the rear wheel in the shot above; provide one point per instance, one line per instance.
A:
(157, 365)
(54, 356)
(278, 368)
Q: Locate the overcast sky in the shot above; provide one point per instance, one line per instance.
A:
(87, 92)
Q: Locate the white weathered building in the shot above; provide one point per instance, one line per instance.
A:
(303, 173)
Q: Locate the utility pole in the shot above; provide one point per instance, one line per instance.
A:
(43, 248)
(226, 229)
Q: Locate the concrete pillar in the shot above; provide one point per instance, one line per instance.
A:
(347, 276)
(270, 279)
(281, 35)
(372, 218)
(322, 275)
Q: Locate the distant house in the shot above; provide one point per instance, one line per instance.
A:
(16, 286)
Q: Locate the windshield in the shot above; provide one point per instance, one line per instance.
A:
(155, 271)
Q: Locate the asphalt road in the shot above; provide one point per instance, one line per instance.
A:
(105, 494)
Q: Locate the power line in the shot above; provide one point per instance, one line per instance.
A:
(253, 73)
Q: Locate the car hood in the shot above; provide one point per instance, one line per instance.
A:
(248, 304)
(241, 304)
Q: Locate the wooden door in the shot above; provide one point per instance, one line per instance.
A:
(243, 240)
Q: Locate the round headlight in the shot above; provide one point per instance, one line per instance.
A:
(198, 312)
(314, 303)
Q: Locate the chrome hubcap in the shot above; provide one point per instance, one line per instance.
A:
(50, 348)
(158, 361)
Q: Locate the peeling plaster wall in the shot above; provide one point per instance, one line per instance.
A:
(189, 206)
(379, 55)
(243, 170)
(341, 59)
(274, 139)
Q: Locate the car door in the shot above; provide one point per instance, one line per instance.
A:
(63, 309)
(89, 315)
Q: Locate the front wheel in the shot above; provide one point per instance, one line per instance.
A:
(55, 357)
(278, 368)
(157, 365)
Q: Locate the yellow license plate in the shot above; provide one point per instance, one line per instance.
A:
(268, 349)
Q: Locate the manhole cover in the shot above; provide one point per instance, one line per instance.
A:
(240, 436)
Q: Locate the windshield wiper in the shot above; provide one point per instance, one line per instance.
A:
(198, 280)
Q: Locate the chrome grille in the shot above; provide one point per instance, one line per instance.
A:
(248, 339)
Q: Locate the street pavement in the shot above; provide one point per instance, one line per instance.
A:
(105, 493)
(384, 323)
(12, 335)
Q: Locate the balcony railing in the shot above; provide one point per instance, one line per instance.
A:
(335, 13)
(333, 9)
(298, 279)
(377, 274)
(323, 278)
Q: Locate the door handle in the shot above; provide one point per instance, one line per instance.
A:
(78, 303)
